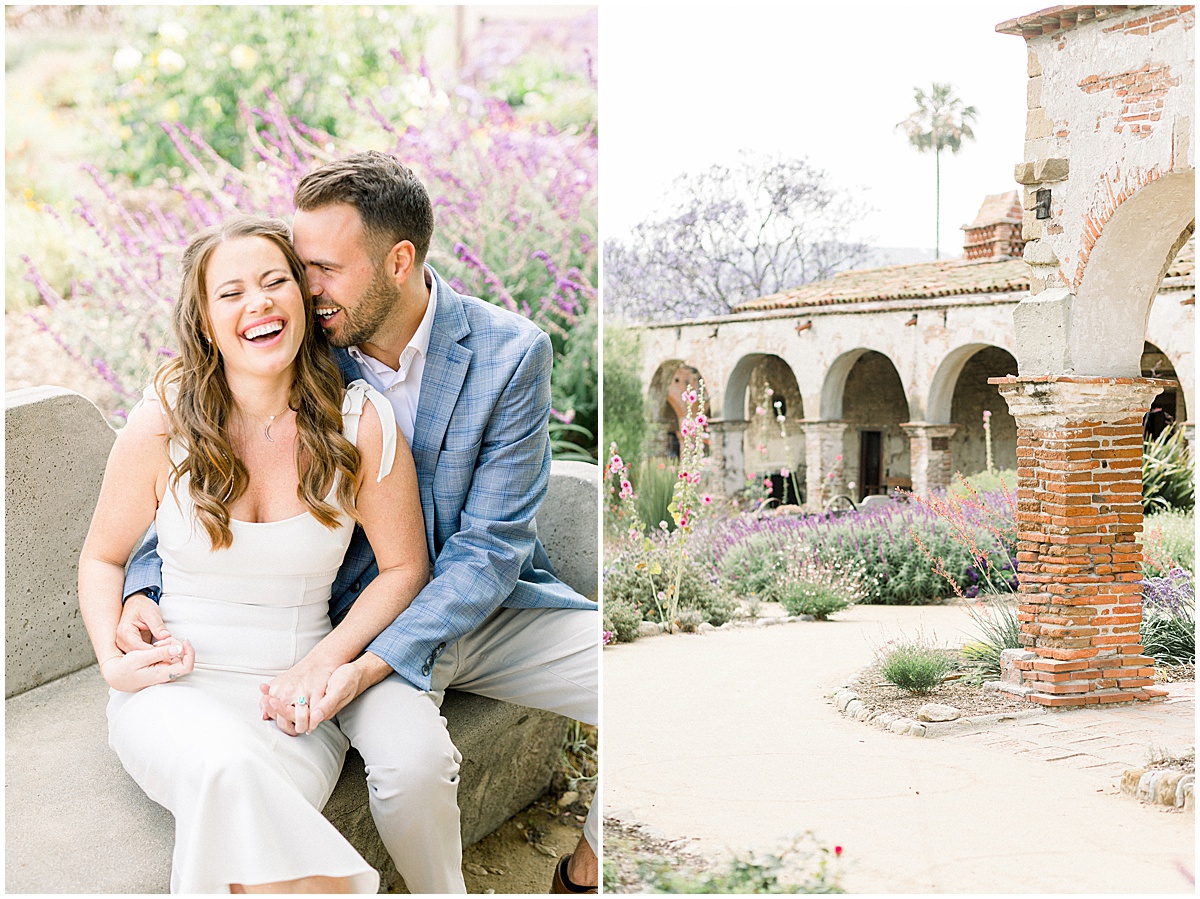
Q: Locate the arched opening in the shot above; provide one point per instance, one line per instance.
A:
(763, 389)
(876, 450)
(1169, 406)
(972, 397)
(665, 402)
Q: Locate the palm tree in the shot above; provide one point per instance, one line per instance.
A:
(939, 122)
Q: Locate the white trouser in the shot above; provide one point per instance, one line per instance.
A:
(540, 658)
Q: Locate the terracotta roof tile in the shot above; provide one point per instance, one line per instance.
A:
(920, 280)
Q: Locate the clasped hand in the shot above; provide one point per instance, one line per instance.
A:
(151, 654)
(325, 693)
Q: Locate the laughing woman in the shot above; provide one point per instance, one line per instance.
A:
(253, 463)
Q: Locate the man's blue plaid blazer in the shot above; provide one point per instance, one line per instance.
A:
(481, 444)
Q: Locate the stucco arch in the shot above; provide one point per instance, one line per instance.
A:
(664, 406)
(1124, 270)
(1158, 363)
(945, 379)
(833, 388)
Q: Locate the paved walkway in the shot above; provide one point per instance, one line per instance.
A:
(729, 740)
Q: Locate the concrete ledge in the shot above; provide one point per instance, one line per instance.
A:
(75, 822)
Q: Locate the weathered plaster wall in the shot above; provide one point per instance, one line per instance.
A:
(1110, 126)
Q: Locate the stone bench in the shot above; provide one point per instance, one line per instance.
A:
(74, 820)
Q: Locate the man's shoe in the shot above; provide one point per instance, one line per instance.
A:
(562, 883)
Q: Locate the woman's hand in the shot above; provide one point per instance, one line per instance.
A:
(145, 667)
(291, 697)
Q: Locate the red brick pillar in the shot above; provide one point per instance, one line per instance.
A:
(929, 456)
(1079, 511)
(825, 475)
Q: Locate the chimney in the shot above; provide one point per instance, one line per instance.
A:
(996, 231)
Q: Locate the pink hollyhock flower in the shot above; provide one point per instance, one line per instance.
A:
(759, 410)
(689, 396)
(701, 420)
(706, 499)
(767, 483)
(615, 465)
(683, 475)
(837, 850)
(839, 458)
(784, 472)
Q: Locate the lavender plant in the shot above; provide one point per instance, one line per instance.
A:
(514, 199)
(1168, 630)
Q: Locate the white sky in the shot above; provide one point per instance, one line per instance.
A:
(682, 87)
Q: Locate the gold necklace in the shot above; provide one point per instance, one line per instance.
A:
(270, 420)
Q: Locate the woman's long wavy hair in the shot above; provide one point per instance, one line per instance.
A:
(198, 404)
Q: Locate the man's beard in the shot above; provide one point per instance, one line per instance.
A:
(369, 313)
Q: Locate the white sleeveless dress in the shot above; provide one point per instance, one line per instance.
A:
(246, 797)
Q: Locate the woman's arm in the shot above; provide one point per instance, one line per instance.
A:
(134, 481)
(391, 516)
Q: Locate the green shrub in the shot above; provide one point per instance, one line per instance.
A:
(795, 869)
(654, 482)
(915, 666)
(624, 405)
(811, 586)
(754, 568)
(998, 630)
(642, 575)
(622, 618)
(1169, 539)
(1168, 473)
(986, 482)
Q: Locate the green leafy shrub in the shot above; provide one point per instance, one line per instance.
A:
(998, 629)
(624, 405)
(914, 665)
(642, 575)
(986, 482)
(754, 569)
(654, 482)
(1169, 539)
(196, 64)
(812, 586)
(795, 869)
(621, 617)
(1168, 473)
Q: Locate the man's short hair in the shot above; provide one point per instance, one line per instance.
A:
(390, 199)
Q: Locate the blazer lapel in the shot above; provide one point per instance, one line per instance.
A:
(446, 366)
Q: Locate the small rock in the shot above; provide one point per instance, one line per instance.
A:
(545, 850)
(1130, 779)
(567, 798)
(649, 629)
(1166, 787)
(477, 870)
(1184, 789)
(706, 626)
(497, 871)
(934, 711)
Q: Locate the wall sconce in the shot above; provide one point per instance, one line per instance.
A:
(803, 326)
(1043, 204)
(912, 321)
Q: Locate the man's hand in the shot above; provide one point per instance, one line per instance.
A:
(346, 683)
(141, 625)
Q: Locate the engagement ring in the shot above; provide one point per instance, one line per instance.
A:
(301, 700)
(172, 676)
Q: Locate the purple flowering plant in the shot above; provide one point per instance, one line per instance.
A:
(514, 201)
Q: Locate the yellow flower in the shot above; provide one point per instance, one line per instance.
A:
(212, 104)
(169, 110)
(242, 57)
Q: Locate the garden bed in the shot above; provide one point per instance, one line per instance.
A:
(877, 694)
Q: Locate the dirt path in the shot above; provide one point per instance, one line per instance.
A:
(729, 741)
